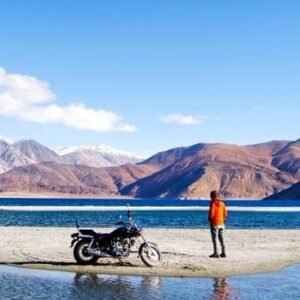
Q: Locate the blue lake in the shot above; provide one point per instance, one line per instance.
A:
(141, 202)
(170, 219)
(150, 218)
(17, 283)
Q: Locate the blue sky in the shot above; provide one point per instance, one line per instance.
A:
(161, 73)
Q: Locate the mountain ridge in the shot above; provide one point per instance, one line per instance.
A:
(291, 193)
(250, 171)
(226, 167)
(26, 152)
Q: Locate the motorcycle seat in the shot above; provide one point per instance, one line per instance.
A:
(102, 236)
(88, 232)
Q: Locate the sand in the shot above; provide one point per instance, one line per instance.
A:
(185, 252)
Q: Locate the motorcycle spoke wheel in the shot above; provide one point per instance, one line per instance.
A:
(150, 255)
(82, 256)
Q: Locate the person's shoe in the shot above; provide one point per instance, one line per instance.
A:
(214, 255)
(223, 254)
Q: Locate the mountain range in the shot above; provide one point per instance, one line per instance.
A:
(251, 171)
(26, 152)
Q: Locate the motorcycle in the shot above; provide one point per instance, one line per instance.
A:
(90, 245)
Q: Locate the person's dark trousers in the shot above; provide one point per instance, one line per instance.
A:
(215, 231)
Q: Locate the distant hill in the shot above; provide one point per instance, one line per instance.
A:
(23, 153)
(237, 171)
(292, 193)
(288, 158)
(51, 177)
(10, 157)
(96, 156)
(36, 152)
(251, 171)
(26, 152)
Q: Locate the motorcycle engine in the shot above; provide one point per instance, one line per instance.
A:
(120, 247)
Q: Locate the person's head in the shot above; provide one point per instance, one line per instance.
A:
(214, 195)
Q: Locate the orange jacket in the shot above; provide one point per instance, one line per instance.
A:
(217, 212)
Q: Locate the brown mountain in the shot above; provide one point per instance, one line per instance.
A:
(252, 171)
(288, 158)
(292, 193)
(51, 177)
(237, 171)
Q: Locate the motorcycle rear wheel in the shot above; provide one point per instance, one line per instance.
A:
(81, 255)
(150, 254)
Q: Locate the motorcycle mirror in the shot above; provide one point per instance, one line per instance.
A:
(128, 211)
(77, 224)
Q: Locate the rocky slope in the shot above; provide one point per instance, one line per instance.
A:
(51, 177)
(252, 171)
(287, 159)
(23, 153)
(292, 193)
(11, 157)
(36, 152)
(237, 171)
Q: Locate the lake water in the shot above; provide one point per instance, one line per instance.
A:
(17, 283)
(149, 213)
(148, 219)
(140, 202)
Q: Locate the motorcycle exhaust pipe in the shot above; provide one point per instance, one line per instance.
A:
(97, 253)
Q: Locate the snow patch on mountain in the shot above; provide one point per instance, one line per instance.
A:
(104, 149)
(96, 156)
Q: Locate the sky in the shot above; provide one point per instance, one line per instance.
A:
(145, 76)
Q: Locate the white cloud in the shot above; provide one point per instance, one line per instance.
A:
(182, 119)
(31, 100)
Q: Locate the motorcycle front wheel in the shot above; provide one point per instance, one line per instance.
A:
(81, 255)
(150, 254)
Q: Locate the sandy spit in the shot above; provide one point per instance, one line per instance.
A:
(185, 252)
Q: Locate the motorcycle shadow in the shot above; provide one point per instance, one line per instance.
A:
(66, 264)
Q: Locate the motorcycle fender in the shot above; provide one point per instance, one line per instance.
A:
(74, 237)
(140, 249)
(73, 242)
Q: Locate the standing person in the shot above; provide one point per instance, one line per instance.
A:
(216, 216)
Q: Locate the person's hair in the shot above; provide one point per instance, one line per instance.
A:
(214, 194)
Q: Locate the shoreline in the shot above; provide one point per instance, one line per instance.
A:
(249, 252)
(141, 272)
(21, 195)
(62, 196)
(49, 208)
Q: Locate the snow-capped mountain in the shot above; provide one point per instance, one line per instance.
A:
(23, 153)
(96, 156)
(36, 152)
(10, 157)
(26, 152)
